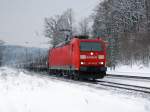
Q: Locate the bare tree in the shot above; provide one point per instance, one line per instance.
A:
(127, 23)
(84, 27)
(60, 27)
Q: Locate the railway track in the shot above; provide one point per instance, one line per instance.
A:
(135, 88)
(127, 76)
(125, 86)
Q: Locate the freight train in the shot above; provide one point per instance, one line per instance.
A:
(78, 58)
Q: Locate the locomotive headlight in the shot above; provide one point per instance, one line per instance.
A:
(91, 53)
(82, 56)
(101, 63)
(82, 63)
(100, 56)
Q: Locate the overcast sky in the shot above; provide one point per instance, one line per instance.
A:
(21, 21)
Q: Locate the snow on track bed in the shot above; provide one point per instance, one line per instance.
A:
(134, 70)
(27, 92)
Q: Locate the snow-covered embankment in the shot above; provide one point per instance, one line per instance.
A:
(23, 92)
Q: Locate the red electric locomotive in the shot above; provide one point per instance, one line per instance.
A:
(79, 58)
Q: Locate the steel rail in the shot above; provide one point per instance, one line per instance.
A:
(125, 86)
(127, 76)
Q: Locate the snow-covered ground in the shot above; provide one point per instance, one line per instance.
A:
(135, 70)
(28, 92)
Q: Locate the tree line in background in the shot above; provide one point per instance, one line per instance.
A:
(124, 24)
(1, 51)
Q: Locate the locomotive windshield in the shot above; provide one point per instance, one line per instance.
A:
(90, 46)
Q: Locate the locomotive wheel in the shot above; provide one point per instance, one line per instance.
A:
(76, 77)
(102, 76)
(71, 77)
(93, 79)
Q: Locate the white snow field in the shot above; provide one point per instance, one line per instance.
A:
(135, 70)
(28, 92)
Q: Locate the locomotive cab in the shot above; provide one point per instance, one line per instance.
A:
(92, 58)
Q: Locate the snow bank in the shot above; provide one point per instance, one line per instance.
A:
(25, 92)
(134, 70)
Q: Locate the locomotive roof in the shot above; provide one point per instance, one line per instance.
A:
(90, 40)
(82, 40)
